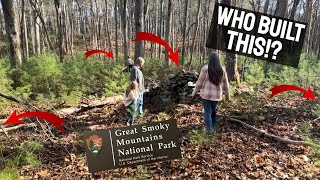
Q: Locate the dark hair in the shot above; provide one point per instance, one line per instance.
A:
(215, 70)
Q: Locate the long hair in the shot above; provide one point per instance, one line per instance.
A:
(133, 86)
(215, 70)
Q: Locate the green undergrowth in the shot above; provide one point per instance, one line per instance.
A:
(44, 77)
(25, 156)
(199, 137)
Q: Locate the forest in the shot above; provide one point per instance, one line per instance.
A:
(43, 67)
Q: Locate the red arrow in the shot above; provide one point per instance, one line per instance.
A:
(51, 118)
(144, 36)
(108, 54)
(282, 88)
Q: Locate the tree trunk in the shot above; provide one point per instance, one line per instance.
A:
(1, 25)
(266, 6)
(107, 26)
(184, 33)
(123, 10)
(37, 29)
(231, 59)
(161, 26)
(310, 7)
(168, 27)
(24, 33)
(116, 26)
(12, 31)
(57, 4)
(281, 9)
(294, 9)
(139, 8)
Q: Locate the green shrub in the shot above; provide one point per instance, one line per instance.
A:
(5, 81)
(45, 78)
(92, 76)
(41, 75)
(255, 74)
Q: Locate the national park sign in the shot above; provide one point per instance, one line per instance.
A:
(133, 145)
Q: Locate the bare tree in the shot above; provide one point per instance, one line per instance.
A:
(195, 33)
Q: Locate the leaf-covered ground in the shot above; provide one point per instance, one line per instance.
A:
(234, 153)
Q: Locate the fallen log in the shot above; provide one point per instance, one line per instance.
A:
(5, 130)
(274, 137)
(85, 107)
(14, 99)
(277, 138)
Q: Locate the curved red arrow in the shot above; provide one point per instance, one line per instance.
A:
(144, 36)
(108, 54)
(51, 118)
(282, 88)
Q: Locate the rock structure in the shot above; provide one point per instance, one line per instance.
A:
(176, 89)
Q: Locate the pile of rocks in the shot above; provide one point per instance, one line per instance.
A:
(176, 89)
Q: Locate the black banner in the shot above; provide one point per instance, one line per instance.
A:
(133, 145)
(256, 35)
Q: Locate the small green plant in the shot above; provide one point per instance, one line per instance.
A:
(161, 116)
(305, 128)
(26, 156)
(184, 162)
(315, 147)
(143, 173)
(9, 174)
(199, 137)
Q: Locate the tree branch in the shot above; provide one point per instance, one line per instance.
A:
(277, 138)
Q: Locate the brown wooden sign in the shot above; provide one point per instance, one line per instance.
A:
(133, 145)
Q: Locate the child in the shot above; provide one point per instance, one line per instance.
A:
(132, 95)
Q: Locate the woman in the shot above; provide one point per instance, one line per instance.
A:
(212, 83)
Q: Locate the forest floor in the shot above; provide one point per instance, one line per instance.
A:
(235, 152)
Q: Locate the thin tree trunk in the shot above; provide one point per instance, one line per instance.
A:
(123, 11)
(57, 4)
(139, 50)
(36, 29)
(24, 33)
(281, 9)
(116, 26)
(195, 34)
(39, 14)
(184, 33)
(161, 26)
(231, 59)
(107, 25)
(168, 28)
(294, 9)
(266, 6)
(310, 7)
